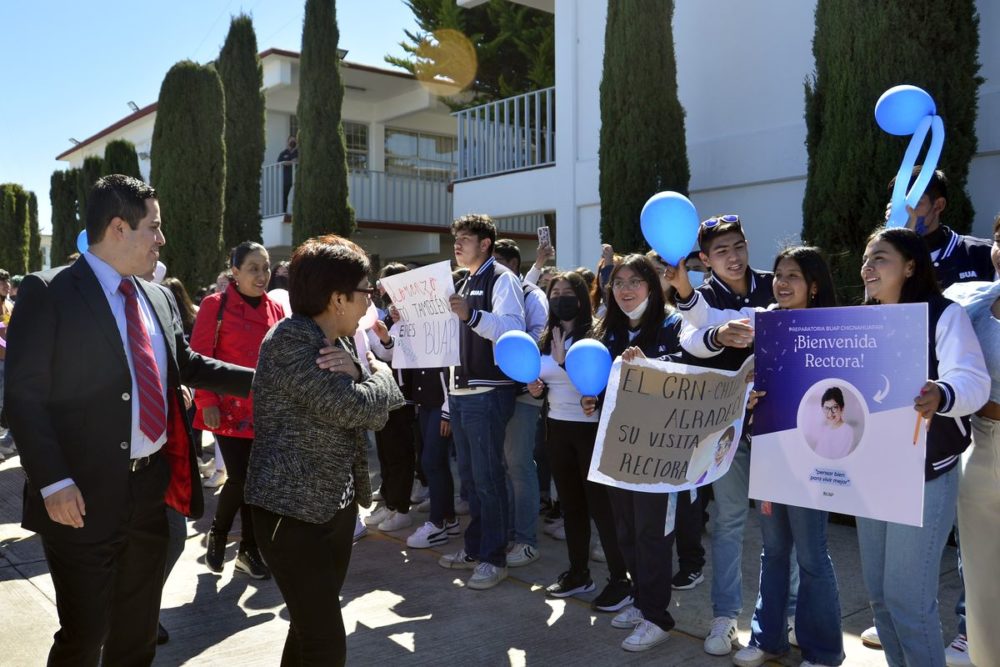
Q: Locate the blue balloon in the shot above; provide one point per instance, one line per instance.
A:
(669, 224)
(900, 197)
(588, 364)
(516, 354)
(901, 108)
(81, 242)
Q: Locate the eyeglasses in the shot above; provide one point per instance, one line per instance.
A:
(719, 219)
(367, 290)
(632, 284)
(831, 409)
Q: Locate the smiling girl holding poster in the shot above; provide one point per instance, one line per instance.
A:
(801, 280)
(900, 564)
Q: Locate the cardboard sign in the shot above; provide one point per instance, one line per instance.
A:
(426, 334)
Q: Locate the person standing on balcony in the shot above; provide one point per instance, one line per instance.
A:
(288, 159)
(489, 303)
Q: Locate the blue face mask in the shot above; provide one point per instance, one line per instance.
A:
(696, 278)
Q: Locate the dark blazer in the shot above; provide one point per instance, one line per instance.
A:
(68, 394)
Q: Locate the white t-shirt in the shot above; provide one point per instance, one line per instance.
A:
(564, 399)
(835, 443)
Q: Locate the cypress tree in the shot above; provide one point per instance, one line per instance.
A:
(642, 144)
(13, 228)
(242, 78)
(934, 45)
(35, 243)
(320, 204)
(188, 170)
(120, 158)
(88, 173)
(65, 225)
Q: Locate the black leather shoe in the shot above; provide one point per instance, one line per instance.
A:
(162, 636)
(216, 555)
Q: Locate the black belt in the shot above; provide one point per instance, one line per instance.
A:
(135, 465)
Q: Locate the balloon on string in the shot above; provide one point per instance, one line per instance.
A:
(669, 223)
(901, 108)
(368, 320)
(81, 241)
(588, 364)
(516, 354)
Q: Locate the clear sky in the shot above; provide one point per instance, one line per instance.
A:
(70, 68)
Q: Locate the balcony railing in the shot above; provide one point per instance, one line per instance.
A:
(507, 135)
(375, 195)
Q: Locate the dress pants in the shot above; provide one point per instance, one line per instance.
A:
(309, 562)
(108, 593)
(396, 458)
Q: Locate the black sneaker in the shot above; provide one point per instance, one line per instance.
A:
(250, 563)
(216, 554)
(685, 580)
(571, 583)
(617, 594)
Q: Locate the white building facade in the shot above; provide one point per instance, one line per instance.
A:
(741, 67)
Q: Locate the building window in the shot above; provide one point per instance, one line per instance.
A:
(356, 141)
(420, 154)
(293, 125)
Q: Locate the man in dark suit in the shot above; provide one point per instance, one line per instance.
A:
(93, 389)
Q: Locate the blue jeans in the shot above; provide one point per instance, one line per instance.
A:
(900, 565)
(478, 424)
(789, 530)
(436, 461)
(522, 475)
(726, 523)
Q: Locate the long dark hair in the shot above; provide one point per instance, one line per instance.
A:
(188, 313)
(616, 321)
(584, 322)
(922, 285)
(815, 271)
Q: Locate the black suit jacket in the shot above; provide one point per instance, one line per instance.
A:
(68, 397)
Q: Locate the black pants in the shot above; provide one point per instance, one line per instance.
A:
(309, 563)
(396, 458)
(569, 446)
(687, 531)
(236, 454)
(640, 519)
(109, 592)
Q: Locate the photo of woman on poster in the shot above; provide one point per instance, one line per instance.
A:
(835, 439)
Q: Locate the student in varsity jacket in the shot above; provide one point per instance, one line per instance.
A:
(900, 564)
(489, 303)
(956, 258)
(524, 497)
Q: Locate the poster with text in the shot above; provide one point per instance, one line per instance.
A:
(667, 427)
(837, 430)
(427, 331)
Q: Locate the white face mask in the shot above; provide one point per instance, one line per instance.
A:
(639, 310)
(696, 278)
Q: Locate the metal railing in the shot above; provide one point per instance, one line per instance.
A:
(507, 135)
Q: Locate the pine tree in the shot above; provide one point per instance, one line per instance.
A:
(120, 158)
(861, 50)
(35, 243)
(188, 170)
(14, 228)
(242, 78)
(642, 146)
(65, 224)
(320, 204)
(88, 173)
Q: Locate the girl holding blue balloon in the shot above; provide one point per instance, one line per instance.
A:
(569, 444)
(637, 317)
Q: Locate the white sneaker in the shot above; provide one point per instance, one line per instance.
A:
(752, 656)
(559, 533)
(462, 507)
(721, 637)
(957, 653)
(597, 554)
(380, 514)
(645, 636)
(627, 619)
(870, 638)
(454, 528)
(360, 530)
(206, 468)
(419, 493)
(792, 639)
(486, 576)
(427, 536)
(550, 528)
(217, 479)
(377, 495)
(522, 554)
(396, 521)
(424, 506)
(457, 561)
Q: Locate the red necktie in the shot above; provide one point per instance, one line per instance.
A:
(152, 413)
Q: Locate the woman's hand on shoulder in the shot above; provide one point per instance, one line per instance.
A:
(337, 360)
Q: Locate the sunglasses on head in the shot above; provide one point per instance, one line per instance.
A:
(719, 219)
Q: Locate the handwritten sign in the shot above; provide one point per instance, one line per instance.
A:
(667, 427)
(427, 331)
